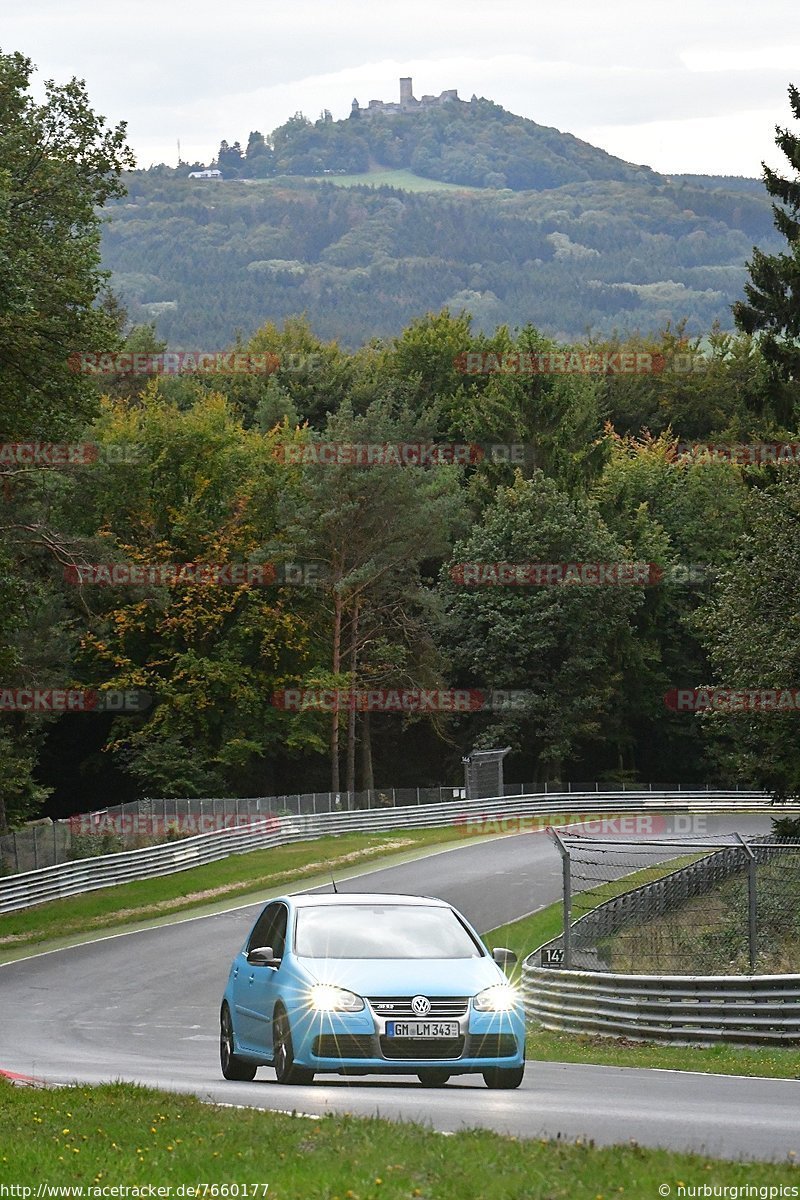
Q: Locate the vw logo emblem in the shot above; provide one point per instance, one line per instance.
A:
(420, 1006)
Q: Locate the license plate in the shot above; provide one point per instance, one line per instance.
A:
(422, 1029)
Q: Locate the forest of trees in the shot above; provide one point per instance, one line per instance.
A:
(204, 259)
(195, 469)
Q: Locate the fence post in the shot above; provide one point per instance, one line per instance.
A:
(567, 897)
(752, 904)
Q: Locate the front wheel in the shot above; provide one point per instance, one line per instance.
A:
(504, 1077)
(283, 1054)
(431, 1077)
(232, 1066)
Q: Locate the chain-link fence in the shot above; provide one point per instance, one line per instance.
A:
(680, 906)
(150, 822)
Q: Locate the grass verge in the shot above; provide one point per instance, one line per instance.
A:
(707, 934)
(236, 876)
(398, 177)
(723, 1059)
(121, 1134)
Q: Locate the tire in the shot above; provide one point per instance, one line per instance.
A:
(232, 1066)
(283, 1053)
(504, 1077)
(433, 1077)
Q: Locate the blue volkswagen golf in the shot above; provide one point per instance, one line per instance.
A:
(368, 983)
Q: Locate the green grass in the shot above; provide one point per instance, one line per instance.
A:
(525, 935)
(399, 177)
(708, 934)
(120, 1134)
(769, 1061)
(755, 1061)
(218, 883)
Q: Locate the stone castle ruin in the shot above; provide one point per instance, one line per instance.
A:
(408, 102)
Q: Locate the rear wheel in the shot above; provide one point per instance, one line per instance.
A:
(233, 1067)
(433, 1077)
(504, 1077)
(283, 1054)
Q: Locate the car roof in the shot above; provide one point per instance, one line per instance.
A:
(307, 899)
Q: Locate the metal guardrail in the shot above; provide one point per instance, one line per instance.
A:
(135, 824)
(491, 816)
(699, 1008)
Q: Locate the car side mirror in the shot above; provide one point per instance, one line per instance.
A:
(263, 956)
(503, 957)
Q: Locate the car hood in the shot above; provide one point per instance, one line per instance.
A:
(406, 977)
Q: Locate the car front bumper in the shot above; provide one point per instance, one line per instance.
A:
(358, 1043)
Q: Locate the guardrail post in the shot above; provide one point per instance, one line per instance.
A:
(752, 904)
(567, 897)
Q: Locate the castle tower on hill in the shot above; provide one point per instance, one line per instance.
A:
(408, 102)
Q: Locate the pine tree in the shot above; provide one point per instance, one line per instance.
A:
(773, 295)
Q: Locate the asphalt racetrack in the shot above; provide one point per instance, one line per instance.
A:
(144, 1006)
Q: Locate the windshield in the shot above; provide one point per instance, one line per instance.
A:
(382, 931)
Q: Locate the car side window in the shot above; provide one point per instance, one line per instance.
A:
(279, 932)
(263, 928)
(270, 930)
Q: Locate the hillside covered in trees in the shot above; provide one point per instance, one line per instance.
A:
(203, 258)
(464, 206)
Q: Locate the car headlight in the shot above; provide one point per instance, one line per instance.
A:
(326, 998)
(499, 998)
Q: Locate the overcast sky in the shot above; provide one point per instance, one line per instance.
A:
(695, 85)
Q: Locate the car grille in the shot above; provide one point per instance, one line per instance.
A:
(343, 1045)
(422, 1048)
(400, 1006)
(491, 1045)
